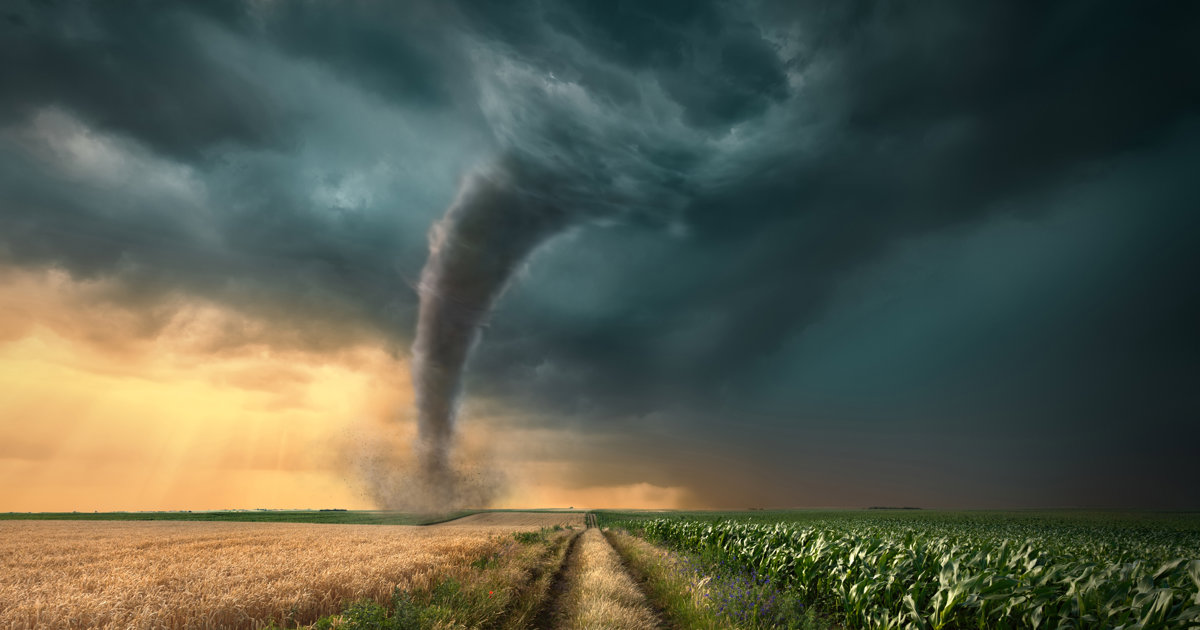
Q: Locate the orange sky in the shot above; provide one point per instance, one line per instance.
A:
(189, 405)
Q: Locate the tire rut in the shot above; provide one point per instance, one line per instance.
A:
(547, 616)
(640, 580)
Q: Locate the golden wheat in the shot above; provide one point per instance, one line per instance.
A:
(79, 574)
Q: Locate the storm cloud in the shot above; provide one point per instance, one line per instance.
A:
(812, 253)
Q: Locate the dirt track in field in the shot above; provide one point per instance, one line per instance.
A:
(593, 589)
(518, 520)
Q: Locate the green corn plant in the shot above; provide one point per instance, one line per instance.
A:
(886, 574)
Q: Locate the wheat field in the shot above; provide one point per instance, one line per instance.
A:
(78, 574)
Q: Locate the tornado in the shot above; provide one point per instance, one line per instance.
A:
(497, 219)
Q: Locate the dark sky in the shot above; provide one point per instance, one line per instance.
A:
(821, 254)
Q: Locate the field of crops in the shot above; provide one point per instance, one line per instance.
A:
(348, 517)
(80, 574)
(960, 570)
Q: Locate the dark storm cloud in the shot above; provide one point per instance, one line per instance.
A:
(910, 123)
(821, 216)
(203, 151)
(926, 121)
(708, 56)
(398, 51)
(139, 70)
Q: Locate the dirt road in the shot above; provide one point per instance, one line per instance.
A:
(594, 590)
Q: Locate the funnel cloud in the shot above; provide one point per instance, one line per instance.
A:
(492, 226)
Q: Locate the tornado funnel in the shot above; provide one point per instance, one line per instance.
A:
(494, 223)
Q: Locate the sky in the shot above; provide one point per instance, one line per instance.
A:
(804, 254)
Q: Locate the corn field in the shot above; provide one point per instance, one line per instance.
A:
(886, 573)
